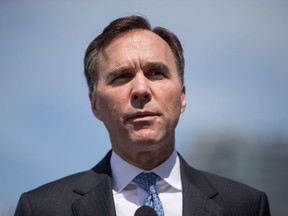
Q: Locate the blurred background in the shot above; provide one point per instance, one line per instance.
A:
(236, 122)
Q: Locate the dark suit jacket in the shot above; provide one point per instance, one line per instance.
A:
(90, 194)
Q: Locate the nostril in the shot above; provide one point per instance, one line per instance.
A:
(141, 96)
(140, 99)
(135, 96)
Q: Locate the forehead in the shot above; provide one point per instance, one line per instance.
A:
(141, 36)
(137, 42)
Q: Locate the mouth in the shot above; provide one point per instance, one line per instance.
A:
(142, 116)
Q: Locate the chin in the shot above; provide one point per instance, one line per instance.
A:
(146, 140)
(151, 137)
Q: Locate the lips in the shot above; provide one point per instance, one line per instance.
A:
(142, 116)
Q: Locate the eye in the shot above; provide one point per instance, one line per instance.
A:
(155, 74)
(122, 78)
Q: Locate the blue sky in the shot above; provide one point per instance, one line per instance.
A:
(236, 75)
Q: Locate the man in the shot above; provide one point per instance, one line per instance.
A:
(136, 88)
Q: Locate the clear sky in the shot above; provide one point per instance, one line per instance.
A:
(236, 75)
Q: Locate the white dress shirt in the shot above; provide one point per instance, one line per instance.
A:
(129, 197)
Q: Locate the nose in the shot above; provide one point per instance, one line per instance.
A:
(141, 92)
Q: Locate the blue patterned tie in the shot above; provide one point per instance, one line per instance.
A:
(147, 181)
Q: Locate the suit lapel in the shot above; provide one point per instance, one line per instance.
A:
(95, 189)
(98, 201)
(198, 193)
(96, 198)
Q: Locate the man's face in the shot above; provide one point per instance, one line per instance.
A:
(139, 96)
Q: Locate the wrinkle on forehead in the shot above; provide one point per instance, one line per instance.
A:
(133, 50)
(133, 39)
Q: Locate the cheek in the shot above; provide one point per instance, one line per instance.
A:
(172, 98)
(173, 106)
(102, 104)
(110, 105)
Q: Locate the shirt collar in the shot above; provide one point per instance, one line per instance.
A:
(123, 172)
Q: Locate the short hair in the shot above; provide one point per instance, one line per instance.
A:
(116, 29)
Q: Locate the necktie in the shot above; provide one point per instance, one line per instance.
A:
(147, 181)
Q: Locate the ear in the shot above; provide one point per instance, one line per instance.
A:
(93, 102)
(183, 98)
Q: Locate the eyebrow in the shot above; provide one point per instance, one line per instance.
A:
(156, 65)
(115, 72)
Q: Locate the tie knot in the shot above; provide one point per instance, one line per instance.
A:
(146, 180)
